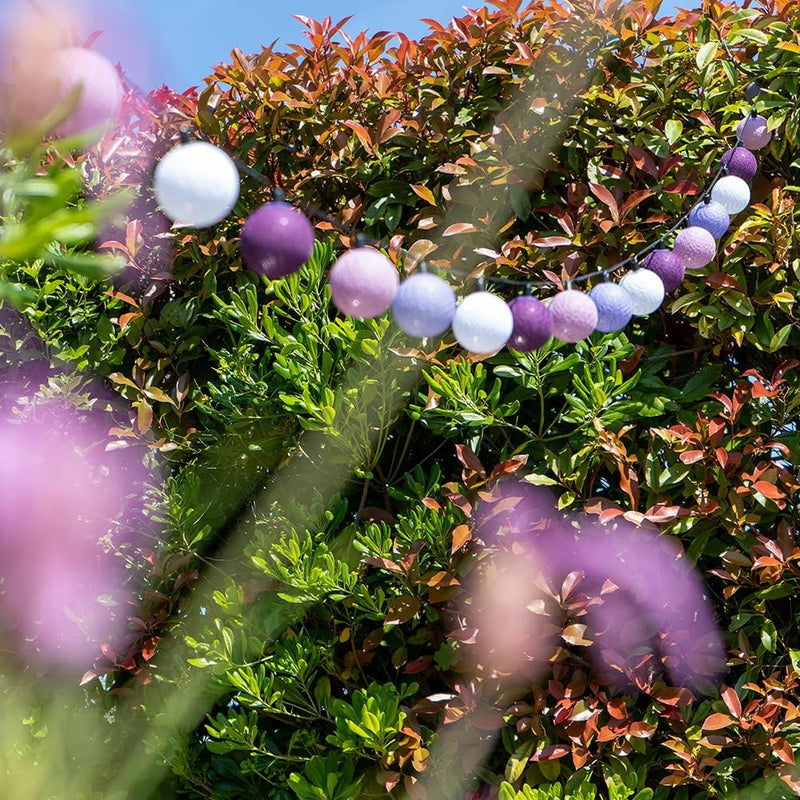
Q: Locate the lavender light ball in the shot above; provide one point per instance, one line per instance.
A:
(645, 290)
(483, 323)
(732, 192)
(695, 247)
(753, 132)
(533, 324)
(614, 307)
(424, 305)
(574, 315)
(101, 94)
(668, 266)
(712, 216)
(277, 240)
(740, 162)
(363, 283)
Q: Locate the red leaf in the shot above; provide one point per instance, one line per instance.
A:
(769, 490)
(459, 227)
(717, 721)
(782, 749)
(643, 161)
(692, 456)
(605, 197)
(550, 752)
(731, 700)
(402, 609)
(682, 187)
(551, 241)
(361, 132)
(468, 458)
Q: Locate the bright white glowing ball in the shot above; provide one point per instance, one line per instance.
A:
(732, 193)
(646, 291)
(196, 184)
(483, 322)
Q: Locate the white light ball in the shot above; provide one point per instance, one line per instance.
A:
(646, 291)
(732, 193)
(483, 322)
(196, 184)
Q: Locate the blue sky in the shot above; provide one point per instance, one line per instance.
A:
(188, 37)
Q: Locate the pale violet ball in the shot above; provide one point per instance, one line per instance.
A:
(424, 305)
(614, 307)
(196, 184)
(483, 323)
(574, 315)
(732, 193)
(363, 282)
(753, 132)
(712, 216)
(695, 247)
(645, 289)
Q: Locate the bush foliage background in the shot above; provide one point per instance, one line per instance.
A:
(290, 636)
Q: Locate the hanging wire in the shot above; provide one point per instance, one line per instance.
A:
(526, 285)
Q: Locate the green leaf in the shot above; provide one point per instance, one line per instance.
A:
(706, 54)
(673, 130)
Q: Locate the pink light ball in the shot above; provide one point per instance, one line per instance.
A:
(668, 266)
(695, 247)
(753, 132)
(574, 315)
(196, 184)
(645, 289)
(277, 240)
(732, 193)
(101, 92)
(740, 162)
(483, 323)
(614, 307)
(533, 324)
(363, 283)
(424, 305)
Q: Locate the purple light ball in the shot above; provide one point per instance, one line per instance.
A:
(668, 266)
(424, 305)
(533, 324)
(101, 94)
(753, 132)
(712, 216)
(695, 247)
(277, 240)
(574, 315)
(363, 283)
(614, 307)
(740, 162)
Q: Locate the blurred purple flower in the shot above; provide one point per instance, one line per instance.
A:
(59, 492)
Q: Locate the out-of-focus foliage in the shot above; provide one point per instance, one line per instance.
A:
(323, 471)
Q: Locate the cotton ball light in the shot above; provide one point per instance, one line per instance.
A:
(277, 240)
(645, 289)
(712, 216)
(424, 305)
(753, 132)
(740, 162)
(668, 266)
(731, 192)
(574, 315)
(614, 307)
(196, 184)
(483, 323)
(533, 324)
(695, 247)
(363, 283)
(101, 92)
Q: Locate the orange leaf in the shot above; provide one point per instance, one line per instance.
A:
(424, 192)
(769, 490)
(361, 132)
(731, 700)
(717, 721)
(461, 535)
(692, 456)
(460, 227)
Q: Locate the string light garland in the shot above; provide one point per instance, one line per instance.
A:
(277, 239)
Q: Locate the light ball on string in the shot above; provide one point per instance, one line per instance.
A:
(614, 307)
(533, 324)
(645, 289)
(695, 247)
(574, 315)
(712, 216)
(196, 184)
(740, 162)
(483, 323)
(277, 240)
(668, 266)
(753, 91)
(424, 305)
(101, 92)
(753, 132)
(363, 283)
(732, 193)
